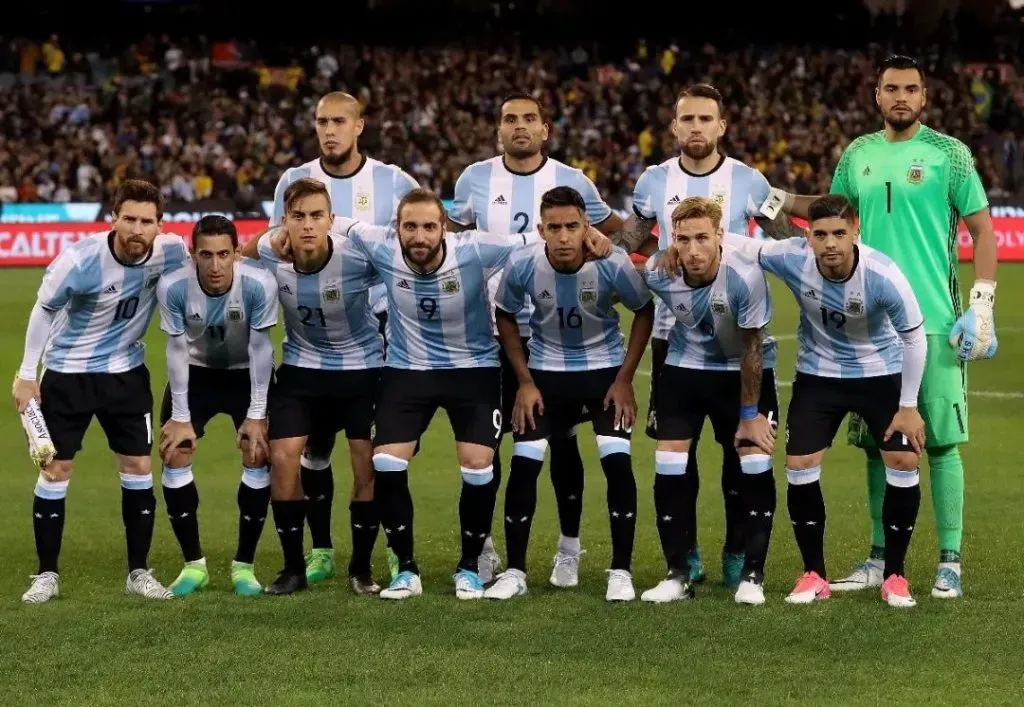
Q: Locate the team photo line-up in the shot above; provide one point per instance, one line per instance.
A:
(502, 310)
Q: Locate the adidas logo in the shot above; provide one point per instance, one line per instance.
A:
(866, 172)
(545, 295)
(500, 199)
(285, 289)
(196, 317)
(811, 294)
(402, 284)
(110, 290)
(681, 307)
(674, 200)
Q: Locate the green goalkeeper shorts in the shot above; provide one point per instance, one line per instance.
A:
(942, 400)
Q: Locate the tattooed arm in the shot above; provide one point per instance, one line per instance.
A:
(755, 430)
(780, 227)
(635, 235)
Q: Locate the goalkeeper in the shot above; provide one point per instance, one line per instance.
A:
(911, 185)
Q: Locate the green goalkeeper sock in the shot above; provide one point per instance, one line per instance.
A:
(947, 482)
(876, 494)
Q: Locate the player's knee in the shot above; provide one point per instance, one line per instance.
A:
(178, 458)
(804, 462)
(260, 458)
(901, 461)
(136, 466)
(284, 456)
(59, 470)
(675, 445)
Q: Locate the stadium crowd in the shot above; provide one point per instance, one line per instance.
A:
(204, 123)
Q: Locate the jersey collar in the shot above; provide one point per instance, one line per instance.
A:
(113, 253)
(853, 270)
(718, 165)
(330, 253)
(357, 170)
(543, 162)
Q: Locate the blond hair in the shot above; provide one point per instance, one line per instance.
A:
(694, 207)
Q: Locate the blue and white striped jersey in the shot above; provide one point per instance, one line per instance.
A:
(217, 326)
(847, 329)
(494, 198)
(739, 189)
(439, 320)
(103, 306)
(574, 325)
(369, 194)
(329, 324)
(708, 334)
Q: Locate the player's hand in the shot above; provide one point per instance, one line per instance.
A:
(252, 440)
(974, 334)
(597, 245)
(620, 394)
(670, 264)
(24, 391)
(175, 434)
(527, 399)
(758, 431)
(282, 245)
(908, 422)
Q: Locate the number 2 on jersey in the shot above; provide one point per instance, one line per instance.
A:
(524, 217)
(307, 315)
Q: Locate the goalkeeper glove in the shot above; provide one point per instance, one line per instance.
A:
(974, 333)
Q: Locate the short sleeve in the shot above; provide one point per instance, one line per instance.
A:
(277, 216)
(511, 294)
(261, 292)
(760, 190)
(170, 295)
(61, 282)
(597, 210)
(461, 210)
(627, 282)
(751, 301)
(841, 183)
(643, 196)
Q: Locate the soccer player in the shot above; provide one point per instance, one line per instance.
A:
(741, 192)
(220, 358)
(329, 376)
(577, 364)
(91, 312)
(502, 194)
(911, 186)
(862, 349)
(718, 366)
(363, 188)
(441, 353)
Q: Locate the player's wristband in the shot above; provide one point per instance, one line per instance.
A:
(748, 412)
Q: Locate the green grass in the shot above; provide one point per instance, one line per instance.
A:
(96, 646)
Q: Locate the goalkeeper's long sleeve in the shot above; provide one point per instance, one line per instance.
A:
(915, 351)
(40, 321)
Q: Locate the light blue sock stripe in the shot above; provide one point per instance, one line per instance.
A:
(136, 483)
(256, 470)
(618, 446)
(669, 469)
(51, 494)
(528, 451)
(803, 476)
(389, 463)
(182, 471)
(754, 465)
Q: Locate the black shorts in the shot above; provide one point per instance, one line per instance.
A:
(659, 352)
(122, 402)
(305, 402)
(819, 405)
(212, 391)
(689, 395)
(470, 396)
(571, 397)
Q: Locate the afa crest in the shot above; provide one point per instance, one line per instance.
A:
(588, 295)
(916, 174)
(362, 202)
(234, 314)
(450, 285)
(719, 198)
(718, 305)
(331, 293)
(855, 305)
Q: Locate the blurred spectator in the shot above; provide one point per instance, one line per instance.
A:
(215, 121)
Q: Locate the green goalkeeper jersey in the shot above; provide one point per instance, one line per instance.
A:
(910, 197)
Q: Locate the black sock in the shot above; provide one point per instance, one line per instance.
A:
(182, 500)
(758, 496)
(899, 515)
(394, 506)
(138, 508)
(732, 485)
(673, 506)
(289, 519)
(476, 508)
(48, 525)
(618, 470)
(567, 480)
(492, 488)
(520, 505)
(253, 501)
(692, 480)
(365, 523)
(807, 513)
(318, 488)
